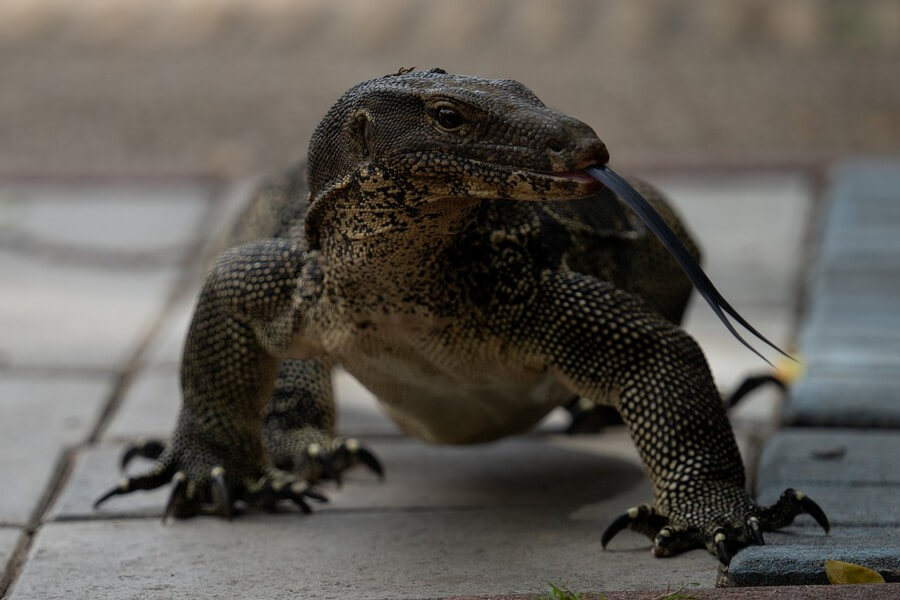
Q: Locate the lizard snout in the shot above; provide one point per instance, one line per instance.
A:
(575, 146)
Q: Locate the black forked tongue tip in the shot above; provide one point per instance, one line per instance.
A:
(695, 273)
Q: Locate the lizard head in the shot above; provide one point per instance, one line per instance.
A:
(454, 136)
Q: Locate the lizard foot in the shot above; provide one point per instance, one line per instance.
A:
(204, 483)
(325, 458)
(741, 525)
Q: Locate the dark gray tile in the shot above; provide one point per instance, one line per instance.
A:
(797, 456)
(865, 396)
(797, 556)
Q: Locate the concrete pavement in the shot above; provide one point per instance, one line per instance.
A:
(88, 361)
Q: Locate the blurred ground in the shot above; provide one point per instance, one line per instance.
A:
(107, 86)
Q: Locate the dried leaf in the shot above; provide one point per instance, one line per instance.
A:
(845, 572)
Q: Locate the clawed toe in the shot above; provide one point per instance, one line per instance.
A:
(790, 505)
(344, 454)
(643, 519)
(281, 485)
(157, 477)
(723, 536)
(151, 449)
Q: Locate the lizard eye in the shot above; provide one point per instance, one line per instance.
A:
(448, 118)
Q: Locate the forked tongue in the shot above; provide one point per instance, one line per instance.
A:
(664, 233)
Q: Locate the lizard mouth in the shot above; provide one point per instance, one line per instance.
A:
(580, 176)
(573, 184)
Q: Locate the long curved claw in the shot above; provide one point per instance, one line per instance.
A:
(814, 510)
(121, 489)
(753, 523)
(295, 493)
(751, 383)
(642, 519)
(614, 528)
(723, 552)
(151, 449)
(311, 493)
(221, 495)
(371, 461)
(178, 495)
(150, 481)
(789, 505)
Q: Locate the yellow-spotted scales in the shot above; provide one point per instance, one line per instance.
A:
(444, 245)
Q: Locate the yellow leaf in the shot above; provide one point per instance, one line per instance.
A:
(844, 572)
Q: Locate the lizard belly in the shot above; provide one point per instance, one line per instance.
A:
(456, 407)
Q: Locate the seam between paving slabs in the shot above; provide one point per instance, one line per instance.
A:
(63, 468)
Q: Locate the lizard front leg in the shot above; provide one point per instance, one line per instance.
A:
(249, 314)
(609, 346)
(299, 424)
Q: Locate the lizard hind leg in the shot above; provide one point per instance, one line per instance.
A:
(299, 425)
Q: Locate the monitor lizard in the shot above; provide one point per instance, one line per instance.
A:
(445, 245)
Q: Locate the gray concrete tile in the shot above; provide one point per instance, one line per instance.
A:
(95, 470)
(9, 539)
(526, 471)
(346, 555)
(148, 408)
(864, 397)
(72, 316)
(796, 556)
(160, 217)
(797, 456)
(859, 505)
(41, 418)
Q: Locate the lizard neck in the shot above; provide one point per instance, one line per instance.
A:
(379, 234)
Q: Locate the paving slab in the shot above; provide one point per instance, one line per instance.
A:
(9, 539)
(583, 476)
(861, 399)
(847, 457)
(797, 556)
(40, 418)
(92, 265)
(346, 555)
(157, 218)
(76, 317)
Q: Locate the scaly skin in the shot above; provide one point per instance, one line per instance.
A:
(455, 259)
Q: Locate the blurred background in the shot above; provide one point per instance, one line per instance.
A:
(234, 87)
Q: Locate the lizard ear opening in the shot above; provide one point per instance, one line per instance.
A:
(361, 134)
